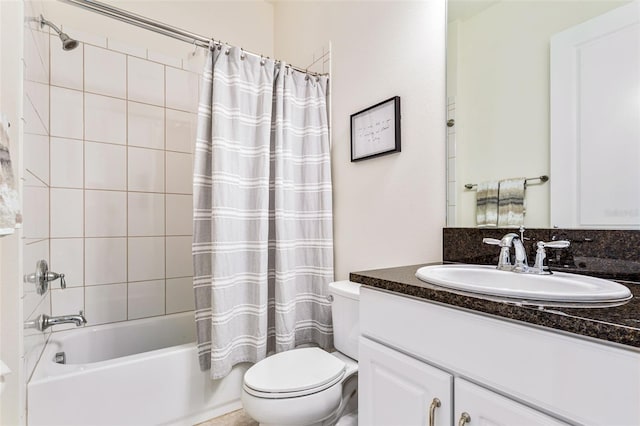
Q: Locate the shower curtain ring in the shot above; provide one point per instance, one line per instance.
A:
(226, 52)
(262, 60)
(242, 56)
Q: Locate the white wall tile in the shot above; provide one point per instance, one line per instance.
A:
(179, 259)
(180, 296)
(105, 72)
(35, 69)
(146, 81)
(105, 214)
(38, 95)
(66, 113)
(32, 122)
(67, 257)
(35, 340)
(146, 299)
(127, 47)
(146, 125)
(66, 213)
(164, 59)
(106, 303)
(105, 260)
(69, 301)
(105, 166)
(182, 90)
(146, 214)
(146, 258)
(67, 163)
(181, 131)
(66, 66)
(179, 214)
(105, 119)
(179, 173)
(195, 63)
(146, 170)
(35, 212)
(36, 155)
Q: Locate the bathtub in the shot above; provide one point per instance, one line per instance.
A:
(142, 372)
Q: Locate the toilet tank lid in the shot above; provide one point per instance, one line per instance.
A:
(345, 289)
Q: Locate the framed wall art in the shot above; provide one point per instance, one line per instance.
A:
(375, 131)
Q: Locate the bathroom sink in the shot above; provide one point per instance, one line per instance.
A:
(560, 287)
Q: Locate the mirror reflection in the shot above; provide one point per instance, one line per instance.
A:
(544, 88)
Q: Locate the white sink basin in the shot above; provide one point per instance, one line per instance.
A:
(559, 287)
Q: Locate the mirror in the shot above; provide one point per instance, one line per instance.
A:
(499, 96)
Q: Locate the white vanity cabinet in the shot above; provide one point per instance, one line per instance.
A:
(499, 371)
(396, 389)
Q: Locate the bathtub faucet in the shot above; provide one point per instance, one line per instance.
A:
(44, 321)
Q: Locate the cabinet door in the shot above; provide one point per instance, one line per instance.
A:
(397, 390)
(487, 408)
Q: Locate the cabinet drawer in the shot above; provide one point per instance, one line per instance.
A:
(573, 378)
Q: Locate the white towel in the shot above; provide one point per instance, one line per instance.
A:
(511, 203)
(10, 216)
(487, 204)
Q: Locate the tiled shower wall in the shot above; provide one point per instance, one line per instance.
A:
(108, 135)
(122, 130)
(35, 175)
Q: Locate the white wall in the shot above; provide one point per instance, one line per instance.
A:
(502, 102)
(388, 211)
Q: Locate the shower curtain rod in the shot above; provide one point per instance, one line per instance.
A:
(160, 27)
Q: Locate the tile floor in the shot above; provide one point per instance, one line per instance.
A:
(235, 418)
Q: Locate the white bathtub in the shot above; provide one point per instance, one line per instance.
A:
(142, 372)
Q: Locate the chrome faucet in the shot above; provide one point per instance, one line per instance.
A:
(504, 261)
(44, 321)
(540, 267)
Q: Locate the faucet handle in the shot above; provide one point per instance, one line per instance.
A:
(491, 241)
(554, 244)
(541, 266)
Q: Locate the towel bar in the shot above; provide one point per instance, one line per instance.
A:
(542, 179)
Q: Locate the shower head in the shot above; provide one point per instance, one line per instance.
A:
(67, 42)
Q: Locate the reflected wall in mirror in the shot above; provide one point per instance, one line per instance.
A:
(499, 78)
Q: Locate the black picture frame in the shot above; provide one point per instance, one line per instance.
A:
(375, 131)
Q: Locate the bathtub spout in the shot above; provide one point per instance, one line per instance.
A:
(44, 321)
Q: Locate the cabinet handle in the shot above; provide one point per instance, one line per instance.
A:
(432, 411)
(464, 419)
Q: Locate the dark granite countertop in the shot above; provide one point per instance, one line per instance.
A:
(618, 325)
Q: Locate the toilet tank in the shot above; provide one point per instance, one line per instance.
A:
(345, 311)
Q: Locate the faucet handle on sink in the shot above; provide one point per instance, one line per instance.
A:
(542, 267)
(491, 241)
(555, 244)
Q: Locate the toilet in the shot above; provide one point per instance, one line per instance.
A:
(309, 386)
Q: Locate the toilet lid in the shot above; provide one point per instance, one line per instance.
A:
(294, 371)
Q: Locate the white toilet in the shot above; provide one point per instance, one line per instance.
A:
(309, 386)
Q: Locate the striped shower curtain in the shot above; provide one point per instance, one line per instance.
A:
(262, 244)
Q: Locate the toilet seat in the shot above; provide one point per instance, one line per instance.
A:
(294, 373)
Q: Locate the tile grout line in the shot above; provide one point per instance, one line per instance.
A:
(84, 185)
(126, 180)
